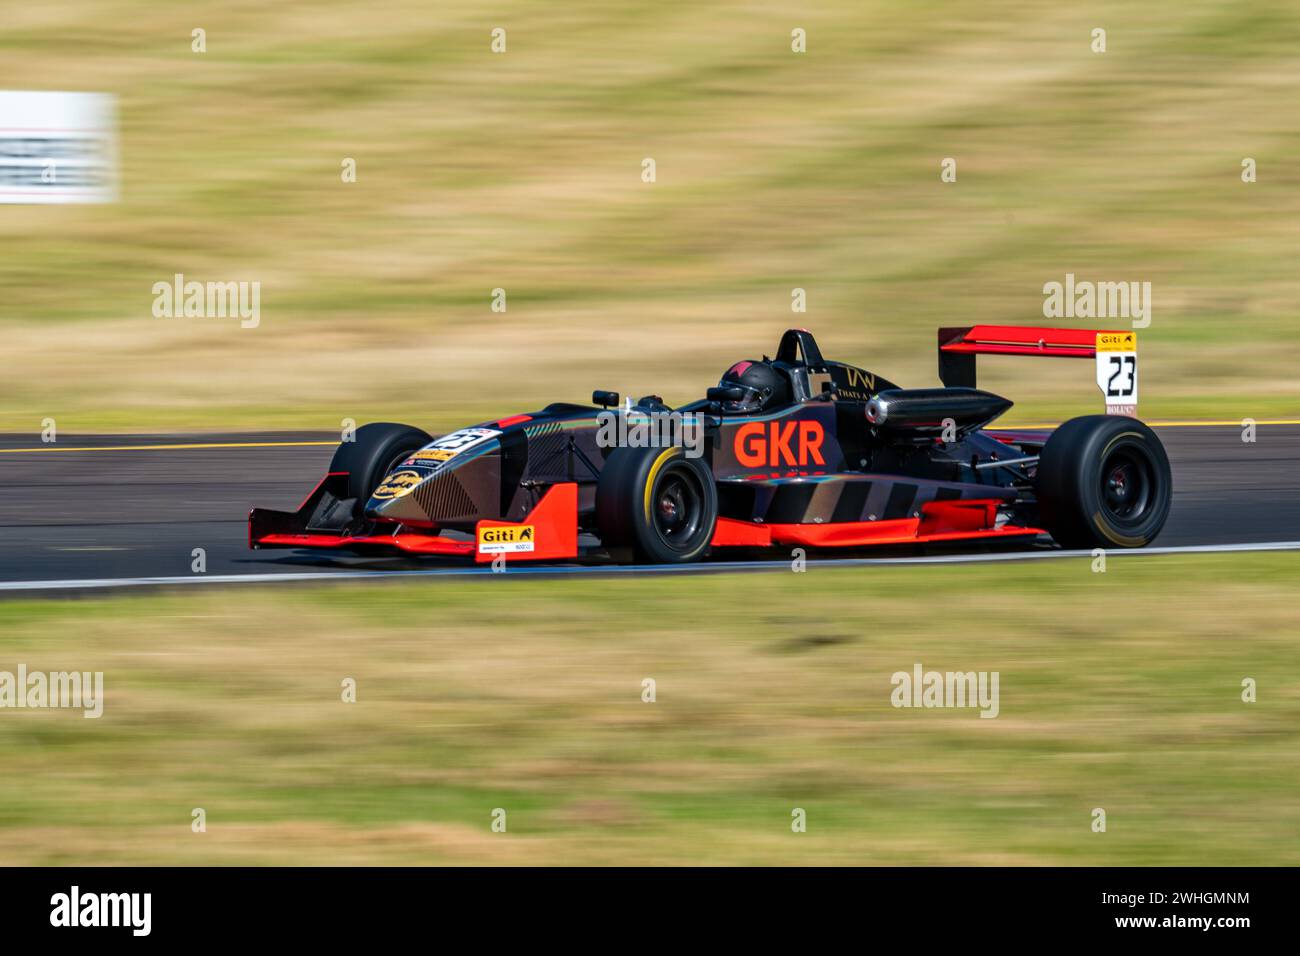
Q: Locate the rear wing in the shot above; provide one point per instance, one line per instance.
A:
(1115, 353)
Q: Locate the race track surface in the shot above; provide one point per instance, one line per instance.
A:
(94, 507)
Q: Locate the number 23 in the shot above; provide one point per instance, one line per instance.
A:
(1120, 363)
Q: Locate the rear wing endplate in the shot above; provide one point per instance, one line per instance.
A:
(1115, 353)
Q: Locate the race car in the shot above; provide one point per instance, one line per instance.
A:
(794, 451)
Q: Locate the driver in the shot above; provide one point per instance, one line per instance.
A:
(764, 387)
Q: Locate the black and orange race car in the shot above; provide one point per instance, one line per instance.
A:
(795, 451)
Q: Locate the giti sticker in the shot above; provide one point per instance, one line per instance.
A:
(1117, 371)
(506, 539)
(1117, 342)
(397, 484)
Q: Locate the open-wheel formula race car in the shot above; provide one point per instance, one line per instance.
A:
(795, 451)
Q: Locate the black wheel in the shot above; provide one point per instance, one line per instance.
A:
(1104, 481)
(656, 504)
(379, 447)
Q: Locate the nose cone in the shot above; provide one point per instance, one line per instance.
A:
(394, 499)
(453, 478)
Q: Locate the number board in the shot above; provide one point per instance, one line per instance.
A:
(1117, 371)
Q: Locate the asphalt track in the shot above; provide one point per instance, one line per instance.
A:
(95, 511)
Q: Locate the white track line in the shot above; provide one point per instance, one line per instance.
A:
(716, 566)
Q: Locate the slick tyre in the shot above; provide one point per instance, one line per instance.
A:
(656, 505)
(1104, 482)
(378, 448)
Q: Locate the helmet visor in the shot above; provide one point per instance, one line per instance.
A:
(750, 400)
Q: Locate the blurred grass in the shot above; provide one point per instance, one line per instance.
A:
(1118, 690)
(522, 171)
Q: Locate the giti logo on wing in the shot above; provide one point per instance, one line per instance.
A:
(772, 444)
(1116, 341)
(506, 539)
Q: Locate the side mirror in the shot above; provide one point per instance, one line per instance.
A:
(604, 399)
(725, 393)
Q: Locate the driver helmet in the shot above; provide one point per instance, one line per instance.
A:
(764, 387)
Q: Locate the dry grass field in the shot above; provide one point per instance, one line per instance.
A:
(527, 696)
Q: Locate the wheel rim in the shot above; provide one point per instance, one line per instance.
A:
(1126, 486)
(677, 508)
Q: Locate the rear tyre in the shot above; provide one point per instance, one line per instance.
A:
(1104, 481)
(379, 448)
(656, 505)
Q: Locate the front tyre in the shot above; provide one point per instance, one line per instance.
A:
(1104, 481)
(657, 504)
(378, 448)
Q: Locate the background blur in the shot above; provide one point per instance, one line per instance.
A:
(775, 170)
(522, 171)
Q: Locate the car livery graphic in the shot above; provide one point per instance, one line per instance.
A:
(796, 451)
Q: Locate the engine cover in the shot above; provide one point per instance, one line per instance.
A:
(924, 412)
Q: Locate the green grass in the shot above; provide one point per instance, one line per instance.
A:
(1118, 690)
(522, 171)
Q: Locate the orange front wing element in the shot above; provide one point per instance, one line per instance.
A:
(549, 531)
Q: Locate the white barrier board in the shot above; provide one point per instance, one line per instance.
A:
(57, 147)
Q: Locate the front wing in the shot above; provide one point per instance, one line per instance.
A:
(550, 530)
